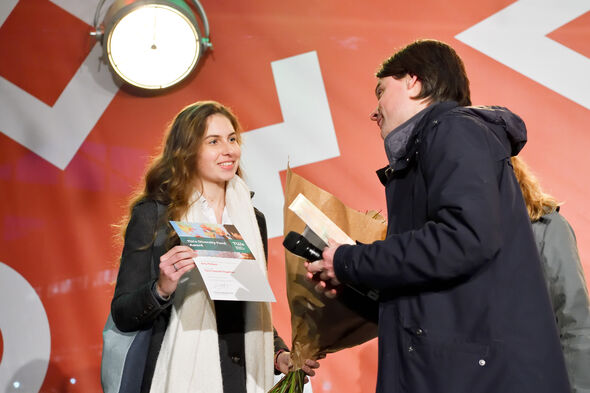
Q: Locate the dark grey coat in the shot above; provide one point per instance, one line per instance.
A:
(463, 307)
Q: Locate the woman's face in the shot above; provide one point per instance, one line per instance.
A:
(219, 153)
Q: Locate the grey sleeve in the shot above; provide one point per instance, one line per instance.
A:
(569, 296)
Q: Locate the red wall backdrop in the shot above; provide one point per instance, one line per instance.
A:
(57, 250)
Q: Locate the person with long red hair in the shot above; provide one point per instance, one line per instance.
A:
(563, 272)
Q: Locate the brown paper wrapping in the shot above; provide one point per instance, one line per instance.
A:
(321, 325)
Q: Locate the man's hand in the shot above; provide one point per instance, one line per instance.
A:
(322, 271)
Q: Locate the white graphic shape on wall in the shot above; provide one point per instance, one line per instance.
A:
(25, 334)
(56, 133)
(305, 136)
(516, 37)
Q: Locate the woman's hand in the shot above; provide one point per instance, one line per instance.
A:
(283, 364)
(177, 261)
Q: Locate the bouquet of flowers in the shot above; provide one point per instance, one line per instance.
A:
(321, 325)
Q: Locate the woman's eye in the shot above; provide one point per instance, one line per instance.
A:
(233, 139)
(213, 141)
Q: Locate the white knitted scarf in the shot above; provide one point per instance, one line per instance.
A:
(189, 357)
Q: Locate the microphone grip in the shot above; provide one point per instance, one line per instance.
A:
(299, 245)
(314, 253)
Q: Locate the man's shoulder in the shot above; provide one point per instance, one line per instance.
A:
(499, 120)
(462, 115)
(450, 116)
(483, 116)
(453, 122)
(459, 130)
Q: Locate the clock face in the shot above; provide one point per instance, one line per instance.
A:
(153, 46)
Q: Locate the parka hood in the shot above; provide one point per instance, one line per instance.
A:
(503, 121)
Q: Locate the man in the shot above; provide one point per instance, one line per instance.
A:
(463, 306)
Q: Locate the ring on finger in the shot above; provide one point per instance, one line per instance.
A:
(175, 268)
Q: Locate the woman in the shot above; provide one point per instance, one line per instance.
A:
(197, 345)
(563, 272)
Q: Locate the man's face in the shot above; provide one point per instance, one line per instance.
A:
(395, 103)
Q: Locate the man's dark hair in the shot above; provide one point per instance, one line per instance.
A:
(436, 65)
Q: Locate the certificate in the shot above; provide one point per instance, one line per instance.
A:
(318, 222)
(228, 268)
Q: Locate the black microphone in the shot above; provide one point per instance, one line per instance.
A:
(300, 246)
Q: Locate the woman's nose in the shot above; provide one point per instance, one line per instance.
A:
(230, 148)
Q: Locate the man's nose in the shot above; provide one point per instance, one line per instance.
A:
(374, 115)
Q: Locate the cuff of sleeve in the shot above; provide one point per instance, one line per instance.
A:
(277, 371)
(161, 300)
(342, 263)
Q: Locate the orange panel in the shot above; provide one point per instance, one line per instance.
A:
(57, 225)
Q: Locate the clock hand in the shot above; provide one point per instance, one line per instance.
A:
(154, 36)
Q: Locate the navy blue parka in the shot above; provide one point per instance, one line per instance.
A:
(463, 304)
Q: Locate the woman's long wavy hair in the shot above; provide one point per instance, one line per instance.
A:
(537, 202)
(172, 175)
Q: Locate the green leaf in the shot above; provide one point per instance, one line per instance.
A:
(290, 383)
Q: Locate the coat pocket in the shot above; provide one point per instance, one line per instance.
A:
(434, 362)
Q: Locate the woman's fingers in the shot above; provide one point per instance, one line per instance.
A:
(178, 258)
(178, 252)
(183, 265)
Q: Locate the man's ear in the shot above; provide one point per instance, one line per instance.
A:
(411, 81)
(413, 85)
